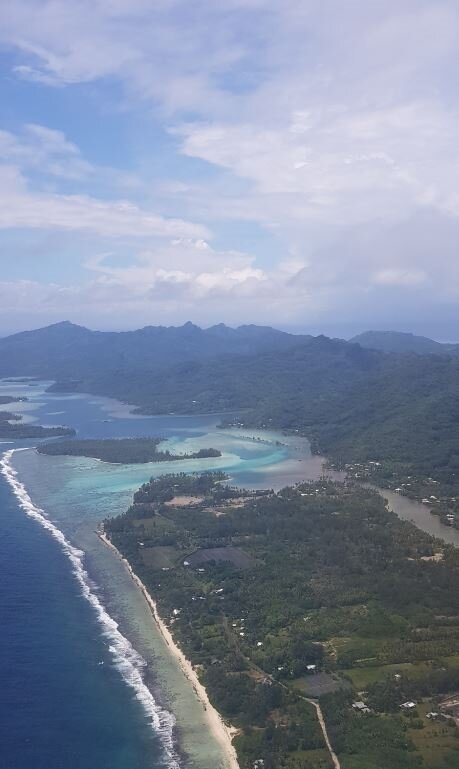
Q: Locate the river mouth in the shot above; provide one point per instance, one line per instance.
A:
(420, 515)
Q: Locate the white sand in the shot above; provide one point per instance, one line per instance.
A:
(220, 730)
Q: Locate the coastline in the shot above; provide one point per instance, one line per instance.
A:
(220, 730)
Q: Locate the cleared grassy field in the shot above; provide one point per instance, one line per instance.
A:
(155, 525)
(318, 684)
(437, 741)
(160, 557)
(362, 677)
(233, 555)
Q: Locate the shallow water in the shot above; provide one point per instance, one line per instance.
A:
(75, 495)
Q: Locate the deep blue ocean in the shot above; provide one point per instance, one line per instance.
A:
(65, 698)
(59, 707)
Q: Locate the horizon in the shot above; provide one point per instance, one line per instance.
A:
(295, 332)
(250, 163)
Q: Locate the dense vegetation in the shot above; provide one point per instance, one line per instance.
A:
(66, 351)
(339, 596)
(356, 404)
(121, 450)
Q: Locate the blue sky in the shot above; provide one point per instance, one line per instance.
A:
(292, 164)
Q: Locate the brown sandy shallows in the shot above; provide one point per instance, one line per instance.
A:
(184, 501)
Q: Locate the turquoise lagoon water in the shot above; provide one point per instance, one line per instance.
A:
(78, 645)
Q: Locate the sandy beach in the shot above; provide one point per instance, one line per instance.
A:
(221, 731)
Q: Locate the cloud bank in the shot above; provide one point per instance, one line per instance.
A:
(296, 164)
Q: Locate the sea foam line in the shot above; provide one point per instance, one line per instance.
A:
(126, 659)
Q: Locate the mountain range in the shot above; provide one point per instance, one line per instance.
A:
(65, 350)
(354, 401)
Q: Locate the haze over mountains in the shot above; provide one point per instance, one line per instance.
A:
(399, 341)
(66, 350)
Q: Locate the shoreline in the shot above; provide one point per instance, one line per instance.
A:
(221, 731)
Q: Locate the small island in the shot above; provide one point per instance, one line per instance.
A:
(8, 416)
(6, 399)
(122, 450)
(12, 428)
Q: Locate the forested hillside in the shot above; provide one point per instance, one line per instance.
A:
(398, 341)
(354, 403)
(67, 351)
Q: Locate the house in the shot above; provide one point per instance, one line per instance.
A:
(408, 705)
(360, 707)
(311, 668)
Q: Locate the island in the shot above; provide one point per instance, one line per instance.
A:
(321, 625)
(6, 399)
(8, 416)
(122, 450)
(11, 427)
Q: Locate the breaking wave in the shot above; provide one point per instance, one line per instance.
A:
(126, 659)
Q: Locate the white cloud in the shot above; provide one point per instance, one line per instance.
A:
(347, 285)
(44, 149)
(333, 126)
(21, 207)
(397, 277)
(339, 166)
(185, 267)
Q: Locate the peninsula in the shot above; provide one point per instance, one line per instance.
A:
(122, 450)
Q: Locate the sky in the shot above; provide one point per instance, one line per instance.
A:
(291, 163)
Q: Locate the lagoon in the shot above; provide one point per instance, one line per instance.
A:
(72, 691)
(76, 494)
